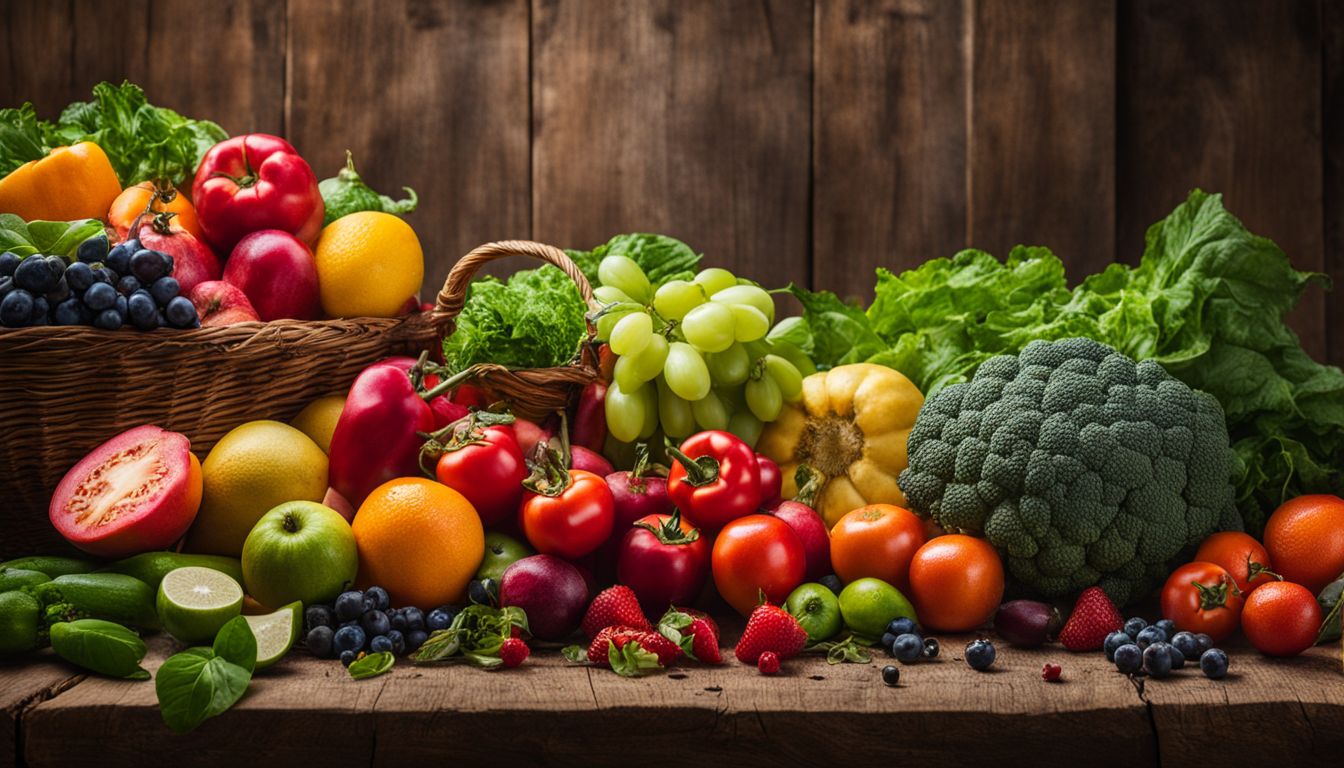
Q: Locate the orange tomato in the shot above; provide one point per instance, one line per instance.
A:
(878, 541)
(1244, 558)
(1305, 540)
(956, 582)
(135, 200)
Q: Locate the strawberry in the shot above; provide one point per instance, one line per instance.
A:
(1094, 617)
(770, 628)
(630, 651)
(694, 631)
(513, 652)
(614, 606)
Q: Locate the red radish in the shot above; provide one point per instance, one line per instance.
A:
(219, 303)
(590, 418)
(805, 521)
(193, 261)
(638, 494)
(772, 481)
(591, 461)
(137, 492)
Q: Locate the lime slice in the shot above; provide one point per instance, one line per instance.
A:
(195, 602)
(276, 632)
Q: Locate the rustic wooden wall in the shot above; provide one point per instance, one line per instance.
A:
(807, 140)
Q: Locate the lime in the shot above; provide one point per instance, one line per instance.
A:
(194, 602)
(275, 633)
(816, 609)
(868, 605)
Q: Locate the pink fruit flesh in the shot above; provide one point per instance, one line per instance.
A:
(812, 532)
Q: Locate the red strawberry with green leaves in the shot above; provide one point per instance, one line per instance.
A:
(614, 606)
(631, 652)
(1094, 617)
(770, 628)
(694, 631)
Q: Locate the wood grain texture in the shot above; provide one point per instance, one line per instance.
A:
(36, 57)
(687, 118)
(889, 145)
(430, 94)
(25, 685)
(1042, 159)
(1332, 131)
(1202, 104)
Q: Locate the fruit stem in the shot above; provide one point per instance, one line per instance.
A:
(810, 483)
(291, 525)
(669, 532)
(699, 472)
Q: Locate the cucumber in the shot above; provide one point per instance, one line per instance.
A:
(113, 597)
(19, 623)
(17, 578)
(52, 565)
(151, 567)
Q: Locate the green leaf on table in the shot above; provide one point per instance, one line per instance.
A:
(372, 665)
(195, 685)
(100, 646)
(236, 644)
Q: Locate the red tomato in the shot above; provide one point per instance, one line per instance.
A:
(1281, 619)
(1240, 555)
(1202, 597)
(254, 182)
(713, 478)
(757, 554)
(878, 540)
(486, 466)
(664, 560)
(1305, 538)
(574, 521)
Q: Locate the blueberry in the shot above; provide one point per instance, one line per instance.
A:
(980, 654)
(40, 309)
(415, 638)
(1177, 658)
(349, 605)
(348, 658)
(1149, 636)
(1205, 642)
(375, 622)
(1157, 660)
(349, 639)
(1213, 663)
(148, 266)
(483, 592)
(908, 648)
(1128, 658)
(440, 618)
(931, 647)
(8, 263)
(399, 620)
(34, 275)
(16, 309)
(351, 623)
(398, 642)
(891, 676)
(319, 641)
(318, 616)
(831, 582)
(1134, 626)
(888, 641)
(119, 258)
(381, 601)
(903, 626)
(100, 296)
(1113, 641)
(380, 644)
(1187, 644)
(415, 618)
(79, 277)
(128, 285)
(144, 315)
(1166, 625)
(93, 249)
(181, 313)
(164, 290)
(67, 313)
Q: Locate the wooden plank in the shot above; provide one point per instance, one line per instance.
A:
(428, 94)
(889, 151)
(37, 40)
(1332, 12)
(1225, 95)
(686, 118)
(1042, 158)
(27, 683)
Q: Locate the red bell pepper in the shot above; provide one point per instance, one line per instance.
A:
(714, 479)
(253, 182)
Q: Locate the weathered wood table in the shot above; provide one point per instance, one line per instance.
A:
(309, 712)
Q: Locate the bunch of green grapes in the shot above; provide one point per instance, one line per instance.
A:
(692, 354)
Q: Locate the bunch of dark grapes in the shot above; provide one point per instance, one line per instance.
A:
(105, 287)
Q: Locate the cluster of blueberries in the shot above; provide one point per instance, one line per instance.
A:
(1157, 649)
(366, 622)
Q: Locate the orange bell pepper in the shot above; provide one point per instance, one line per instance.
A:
(75, 182)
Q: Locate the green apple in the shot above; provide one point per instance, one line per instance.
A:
(501, 551)
(301, 551)
(817, 609)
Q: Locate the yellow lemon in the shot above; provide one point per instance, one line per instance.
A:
(318, 419)
(252, 469)
(368, 264)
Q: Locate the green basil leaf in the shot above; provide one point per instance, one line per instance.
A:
(236, 644)
(575, 654)
(372, 665)
(195, 685)
(62, 238)
(100, 646)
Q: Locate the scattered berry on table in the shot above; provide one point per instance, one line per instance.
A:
(381, 600)
(399, 620)
(350, 638)
(703, 632)
(1115, 640)
(888, 641)
(891, 675)
(1213, 663)
(1187, 644)
(513, 652)
(319, 641)
(348, 658)
(1149, 636)
(831, 582)
(1205, 642)
(931, 648)
(398, 641)
(908, 648)
(1094, 617)
(614, 606)
(1051, 672)
(980, 654)
(415, 618)
(415, 638)
(318, 615)
(768, 663)
(1157, 660)
(902, 625)
(1129, 658)
(1134, 626)
(1177, 658)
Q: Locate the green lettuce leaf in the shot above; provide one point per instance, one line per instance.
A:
(661, 257)
(535, 320)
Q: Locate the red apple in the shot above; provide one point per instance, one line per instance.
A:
(220, 303)
(812, 531)
(278, 274)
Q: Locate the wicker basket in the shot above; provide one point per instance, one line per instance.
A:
(65, 390)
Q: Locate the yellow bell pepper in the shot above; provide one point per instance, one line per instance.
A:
(75, 182)
(851, 426)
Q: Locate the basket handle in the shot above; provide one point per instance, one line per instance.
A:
(454, 293)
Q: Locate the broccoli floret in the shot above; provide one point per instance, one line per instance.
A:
(1081, 466)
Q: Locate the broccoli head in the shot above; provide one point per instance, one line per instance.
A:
(1080, 465)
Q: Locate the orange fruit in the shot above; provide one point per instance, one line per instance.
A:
(1305, 540)
(368, 264)
(420, 540)
(135, 199)
(956, 582)
(878, 541)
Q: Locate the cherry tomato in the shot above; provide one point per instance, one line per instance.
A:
(878, 540)
(664, 560)
(1241, 556)
(1203, 597)
(772, 481)
(757, 554)
(1281, 618)
(572, 522)
(486, 466)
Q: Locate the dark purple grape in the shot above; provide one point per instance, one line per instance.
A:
(108, 320)
(164, 290)
(93, 249)
(181, 313)
(40, 309)
(102, 274)
(60, 293)
(67, 313)
(128, 285)
(34, 276)
(142, 312)
(119, 258)
(148, 266)
(16, 309)
(79, 277)
(120, 306)
(8, 263)
(100, 297)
